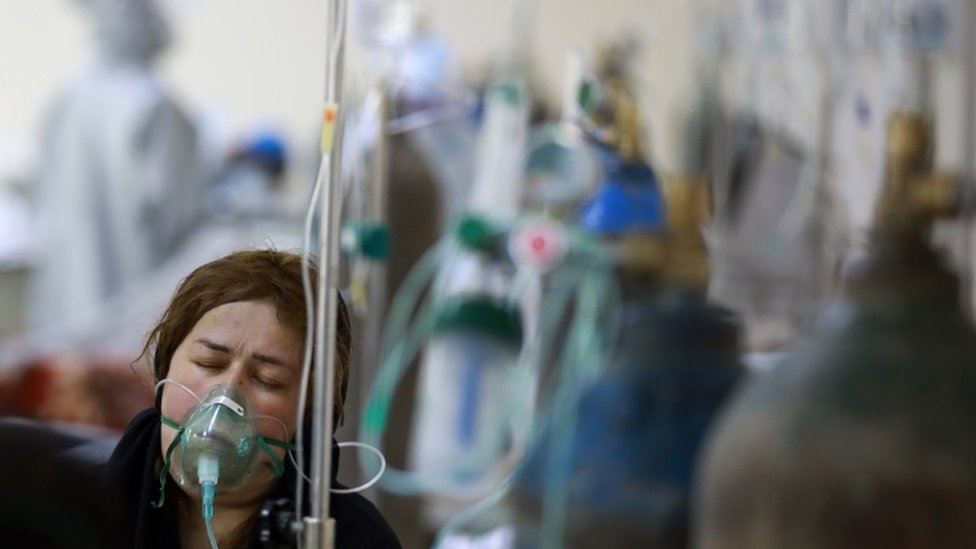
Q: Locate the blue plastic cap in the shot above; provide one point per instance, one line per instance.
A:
(634, 173)
(629, 201)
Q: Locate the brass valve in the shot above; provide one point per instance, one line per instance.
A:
(678, 257)
(613, 110)
(913, 195)
(937, 195)
(688, 200)
(628, 124)
(642, 256)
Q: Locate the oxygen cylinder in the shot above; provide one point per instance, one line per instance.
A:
(614, 467)
(472, 352)
(861, 438)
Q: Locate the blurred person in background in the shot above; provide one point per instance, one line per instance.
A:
(119, 183)
(248, 186)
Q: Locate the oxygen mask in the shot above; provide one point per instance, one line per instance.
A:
(219, 430)
(218, 444)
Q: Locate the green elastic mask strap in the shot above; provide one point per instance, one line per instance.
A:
(276, 466)
(169, 454)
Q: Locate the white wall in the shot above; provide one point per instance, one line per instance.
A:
(663, 71)
(43, 42)
(252, 62)
(246, 63)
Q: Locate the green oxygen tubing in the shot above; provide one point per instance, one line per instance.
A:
(466, 327)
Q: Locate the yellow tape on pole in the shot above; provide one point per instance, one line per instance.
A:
(329, 116)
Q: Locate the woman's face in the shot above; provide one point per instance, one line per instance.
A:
(241, 344)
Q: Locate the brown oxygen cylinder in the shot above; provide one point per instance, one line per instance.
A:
(863, 438)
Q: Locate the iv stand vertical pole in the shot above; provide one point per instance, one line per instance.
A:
(377, 303)
(319, 528)
(969, 146)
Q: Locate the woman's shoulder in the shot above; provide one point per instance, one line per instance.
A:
(137, 441)
(359, 524)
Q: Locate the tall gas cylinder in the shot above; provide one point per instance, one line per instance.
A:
(862, 437)
(614, 466)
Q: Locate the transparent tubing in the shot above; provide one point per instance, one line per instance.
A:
(392, 364)
(472, 512)
(397, 355)
(376, 478)
(582, 365)
(209, 471)
(298, 455)
(597, 302)
(309, 338)
(377, 302)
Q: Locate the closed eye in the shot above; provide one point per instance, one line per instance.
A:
(210, 355)
(268, 383)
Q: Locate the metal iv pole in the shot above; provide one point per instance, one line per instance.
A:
(969, 146)
(319, 527)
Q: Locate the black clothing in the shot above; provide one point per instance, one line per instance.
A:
(50, 487)
(131, 472)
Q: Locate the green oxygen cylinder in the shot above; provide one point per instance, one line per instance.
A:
(862, 437)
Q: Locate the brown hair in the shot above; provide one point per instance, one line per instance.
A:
(252, 275)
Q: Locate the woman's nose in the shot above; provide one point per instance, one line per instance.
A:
(235, 375)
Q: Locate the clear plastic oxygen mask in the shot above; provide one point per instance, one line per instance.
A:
(218, 444)
(219, 441)
(217, 447)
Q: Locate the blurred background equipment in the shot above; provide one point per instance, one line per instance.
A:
(849, 419)
(571, 229)
(862, 426)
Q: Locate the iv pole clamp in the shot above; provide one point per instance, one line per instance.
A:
(319, 528)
